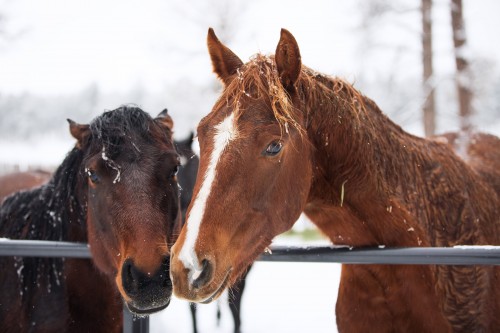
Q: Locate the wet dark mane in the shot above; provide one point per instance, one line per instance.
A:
(45, 213)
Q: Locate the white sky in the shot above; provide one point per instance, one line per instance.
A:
(67, 45)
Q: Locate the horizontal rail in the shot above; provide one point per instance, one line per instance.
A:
(459, 255)
(39, 248)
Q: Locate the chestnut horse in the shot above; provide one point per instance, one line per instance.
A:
(22, 180)
(117, 191)
(283, 139)
(187, 178)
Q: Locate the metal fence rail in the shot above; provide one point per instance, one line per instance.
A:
(462, 255)
(39, 248)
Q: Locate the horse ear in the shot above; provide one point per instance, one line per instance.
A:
(288, 59)
(165, 120)
(78, 131)
(225, 63)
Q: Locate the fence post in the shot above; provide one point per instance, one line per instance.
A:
(134, 324)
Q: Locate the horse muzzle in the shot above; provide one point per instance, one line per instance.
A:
(146, 293)
(202, 285)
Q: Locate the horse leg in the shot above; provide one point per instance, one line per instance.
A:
(235, 295)
(192, 308)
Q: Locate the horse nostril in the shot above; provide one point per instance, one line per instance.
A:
(130, 278)
(205, 275)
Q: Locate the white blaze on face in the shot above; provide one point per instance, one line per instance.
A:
(224, 133)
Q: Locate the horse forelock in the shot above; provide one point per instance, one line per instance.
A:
(122, 130)
(259, 79)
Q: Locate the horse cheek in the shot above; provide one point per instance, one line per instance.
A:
(99, 249)
(292, 190)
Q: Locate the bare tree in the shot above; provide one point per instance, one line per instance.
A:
(373, 12)
(429, 107)
(462, 76)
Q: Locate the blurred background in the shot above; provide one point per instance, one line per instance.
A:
(431, 65)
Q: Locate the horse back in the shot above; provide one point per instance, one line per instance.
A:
(17, 181)
(481, 152)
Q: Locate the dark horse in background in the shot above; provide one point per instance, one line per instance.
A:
(186, 178)
(22, 180)
(284, 139)
(115, 190)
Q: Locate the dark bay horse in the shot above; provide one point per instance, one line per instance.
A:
(283, 139)
(186, 178)
(117, 191)
(22, 180)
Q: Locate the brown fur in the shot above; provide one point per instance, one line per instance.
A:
(22, 180)
(364, 182)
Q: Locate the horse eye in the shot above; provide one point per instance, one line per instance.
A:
(94, 178)
(273, 149)
(175, 171)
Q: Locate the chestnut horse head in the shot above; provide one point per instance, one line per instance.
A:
(130, 164)
(283, 139)
(255, 170)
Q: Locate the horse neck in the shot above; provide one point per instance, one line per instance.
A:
(360, 156)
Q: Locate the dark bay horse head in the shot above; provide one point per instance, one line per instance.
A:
(117, 191)
(130, 165)
(255, 170)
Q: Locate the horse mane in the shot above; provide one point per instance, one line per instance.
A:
(259, 78)
(44, 213)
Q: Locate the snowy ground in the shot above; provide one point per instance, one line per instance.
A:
(279, 297)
